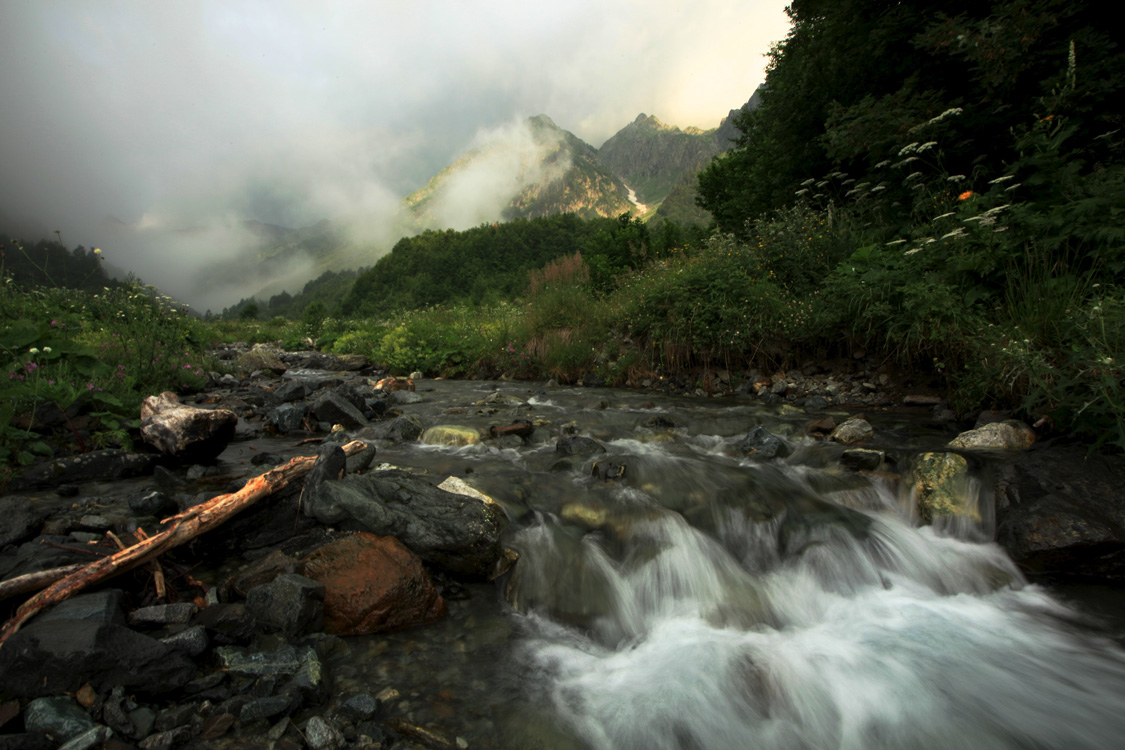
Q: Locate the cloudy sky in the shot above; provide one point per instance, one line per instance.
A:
(186, 113)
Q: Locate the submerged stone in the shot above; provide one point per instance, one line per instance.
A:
(451, 435)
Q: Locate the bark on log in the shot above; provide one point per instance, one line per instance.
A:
(34, 581)
(184, 527)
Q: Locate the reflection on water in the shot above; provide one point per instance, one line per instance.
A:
(706, 600)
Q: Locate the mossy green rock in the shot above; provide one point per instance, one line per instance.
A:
(453, 435)
(940, 485)
(260, 359)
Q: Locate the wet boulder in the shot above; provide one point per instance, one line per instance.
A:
(261, 572)
(761, 443)
(456, 532)
(185, 432)
(560, 577)
(261, 359)
(288, 417)
(290, 603)
(48, 658)
(403, 397)
(577, 445)
(451, 435)
(95, 466)
(60, 716)
(1009, 435)
(1059, 510)
(154, 503)
(854, 430)
(862, 459)
(20, 519)
(398, 430)
(940, 485)
(372, 584)
(294, 390)
(333, 408)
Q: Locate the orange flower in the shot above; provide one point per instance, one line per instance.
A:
(965, 195)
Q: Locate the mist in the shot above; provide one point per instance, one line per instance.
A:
(157, 130)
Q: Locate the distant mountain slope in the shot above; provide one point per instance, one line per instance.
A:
(531, 170)
(652, 157)
(727, 133)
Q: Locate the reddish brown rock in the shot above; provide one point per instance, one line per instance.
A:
(372, 584)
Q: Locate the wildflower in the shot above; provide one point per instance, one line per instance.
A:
(946, 113)
(97, 251)
(46, 350)
(965, 195)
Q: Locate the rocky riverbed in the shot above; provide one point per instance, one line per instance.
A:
(400, 597)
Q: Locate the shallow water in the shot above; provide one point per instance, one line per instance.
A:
(707, 600)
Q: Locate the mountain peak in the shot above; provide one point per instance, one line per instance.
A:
(542, 121)
(651, 121)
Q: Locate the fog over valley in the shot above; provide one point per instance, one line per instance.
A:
(184, 139)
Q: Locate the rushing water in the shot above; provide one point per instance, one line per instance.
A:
(709, 600)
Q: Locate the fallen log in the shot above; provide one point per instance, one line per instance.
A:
(184, 527)
(37, 580)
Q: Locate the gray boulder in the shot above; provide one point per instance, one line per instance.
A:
(59, 716)
(854, 430)
(1009, 435)
(48, 658)
(95, 466)
(333, 408)
(577, 445)
(290, 603)
(761, 443)
(288, 417)
(185, 432)
(1060, 511)
(398, 430)
(402, 398)
(20, 519)
(456, 532)
(294, 390)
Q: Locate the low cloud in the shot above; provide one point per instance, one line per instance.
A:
(207, 114)
(504, 162)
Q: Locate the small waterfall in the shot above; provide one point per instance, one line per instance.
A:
(790, 608)
(697, 598)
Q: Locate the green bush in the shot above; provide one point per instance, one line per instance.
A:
(713, 306)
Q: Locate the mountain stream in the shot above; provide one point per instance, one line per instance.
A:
(706, 599)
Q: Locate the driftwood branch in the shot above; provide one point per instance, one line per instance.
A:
(184, 527)
(37, 580)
